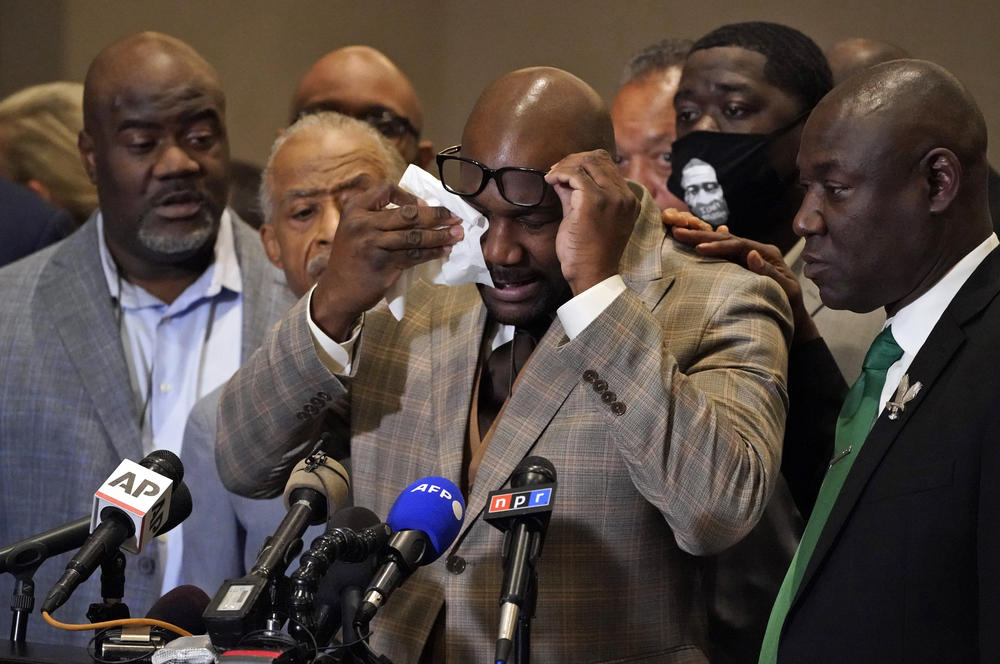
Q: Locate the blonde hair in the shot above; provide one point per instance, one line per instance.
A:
(38, 135)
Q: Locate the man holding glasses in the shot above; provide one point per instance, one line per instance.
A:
(651, 378)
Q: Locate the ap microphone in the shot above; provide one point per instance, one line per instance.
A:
(352, 535)
(138, 502)
(314, 489)
(425, 520)
(522, 512)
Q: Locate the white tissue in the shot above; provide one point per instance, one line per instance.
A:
(465, 264)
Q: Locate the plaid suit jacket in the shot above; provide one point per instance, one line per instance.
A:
(67, 416)
(695, 349)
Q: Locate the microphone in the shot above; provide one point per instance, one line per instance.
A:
(425, 520)
(138, 502)
(352, 535)
(182, 607)
(315, 487)
(35, 550)
(522, 512)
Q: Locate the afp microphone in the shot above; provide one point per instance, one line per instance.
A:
(317, 485)
(522, 512)
(425, 520)
(134, 505)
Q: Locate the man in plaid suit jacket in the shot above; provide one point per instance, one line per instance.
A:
(657, 391)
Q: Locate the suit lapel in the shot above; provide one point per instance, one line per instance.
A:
(266, 296)
(546, 382)
(455, 340)
(944, 341)
(74, 289)
(542, 387)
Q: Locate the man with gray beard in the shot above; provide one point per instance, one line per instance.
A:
(109, 337)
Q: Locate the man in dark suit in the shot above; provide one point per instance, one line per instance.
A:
(900, 560)
(28, 223)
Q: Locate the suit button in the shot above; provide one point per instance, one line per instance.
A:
(590, 375)
(147, 565)
(600, 385)
(301, 415)
(618, 408)
(609, 396)
(455, 564)
(310, 409)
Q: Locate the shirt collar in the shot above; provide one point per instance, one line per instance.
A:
(913, 323)
(224, 270)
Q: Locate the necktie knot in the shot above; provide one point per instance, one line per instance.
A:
(883, 353)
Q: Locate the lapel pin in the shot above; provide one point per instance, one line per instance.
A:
(904, 394)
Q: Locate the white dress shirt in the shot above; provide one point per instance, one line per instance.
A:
(575, 315)
(913, 323)
(178, 352)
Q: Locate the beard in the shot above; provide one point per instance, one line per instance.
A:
(161, 238)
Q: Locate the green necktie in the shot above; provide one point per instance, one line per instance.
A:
(855, 421)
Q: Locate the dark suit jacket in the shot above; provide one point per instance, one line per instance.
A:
(907, 568)
(67, 417)
(28, 223)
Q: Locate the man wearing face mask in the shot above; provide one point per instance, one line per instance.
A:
(745, 92)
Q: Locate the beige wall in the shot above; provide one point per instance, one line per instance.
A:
(452, 48)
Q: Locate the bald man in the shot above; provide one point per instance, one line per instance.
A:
(652, 379)
(900, 560)
(111, 336)
(849, 56)
(363, 83)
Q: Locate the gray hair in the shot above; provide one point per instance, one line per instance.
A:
(336, 122)
(656, 57)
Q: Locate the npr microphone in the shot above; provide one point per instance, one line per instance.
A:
(522, 512)
(134, 505)
(425, 520)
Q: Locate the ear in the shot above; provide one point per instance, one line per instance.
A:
(39, 189)
(86, 146)
(943, 171)
(269, 238)
(425, 154)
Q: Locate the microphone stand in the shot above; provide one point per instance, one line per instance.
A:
(522, 634)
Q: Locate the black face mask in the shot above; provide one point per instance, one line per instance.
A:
(728, 178)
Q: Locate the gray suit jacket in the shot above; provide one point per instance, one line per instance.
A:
(67, 417)
(696, 351)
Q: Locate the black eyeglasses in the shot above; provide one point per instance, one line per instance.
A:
(389, 124)
(524, 187)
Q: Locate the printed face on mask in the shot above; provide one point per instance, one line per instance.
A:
(702, 192)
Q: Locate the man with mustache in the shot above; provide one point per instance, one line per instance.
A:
(315, 167)
(652, 379)
(111, 336)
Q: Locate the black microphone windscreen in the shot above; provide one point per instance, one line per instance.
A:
(180, 507)
(182, 607)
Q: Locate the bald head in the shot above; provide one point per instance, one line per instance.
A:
(138, 65)
(849, 56)
(357, 75)
(549, 109)
(893, 164)
(154, 141)
(891, 96)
